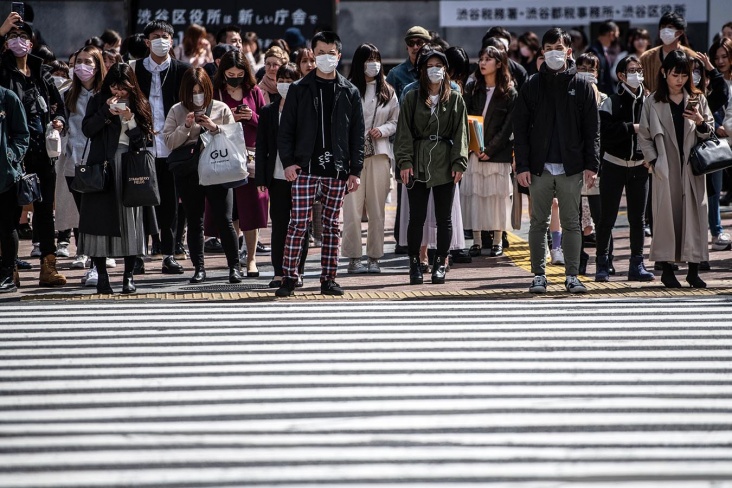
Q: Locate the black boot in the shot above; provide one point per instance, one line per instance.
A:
(235, 275)
(439, 270)
(7, 283)
(128, 284)
(692, 277)
(668, 278)
(103, 286)
(415, 271)
(199, 274)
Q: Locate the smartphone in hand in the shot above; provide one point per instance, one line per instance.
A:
(241, 108)
(19, 8)
(692, 103)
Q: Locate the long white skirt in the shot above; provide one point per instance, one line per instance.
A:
(486, 195)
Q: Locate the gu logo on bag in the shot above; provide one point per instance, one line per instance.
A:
(219, 156)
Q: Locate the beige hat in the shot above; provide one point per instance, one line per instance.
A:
(419, 32)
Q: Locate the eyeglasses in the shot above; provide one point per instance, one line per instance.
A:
(415, 42)
(21, 36)
(635, 70)
(273, 65)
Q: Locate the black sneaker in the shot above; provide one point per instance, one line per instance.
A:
(401, 249)
(23, 264)
(330, 287)
(263, 250)
(286, 289)
(213, 246)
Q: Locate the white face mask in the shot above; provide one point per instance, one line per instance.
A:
(634, 80)
(160, 47)
(198, 99)
(59, 81)
(504, 42)
(435, 74)
(326, 63)
(526, 52)
(696, 77)
(372, 68)
(283, 88)
(555, 59)
(588, 76)
(668, 35)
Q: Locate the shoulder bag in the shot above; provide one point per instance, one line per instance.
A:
(29, 189)
(710, 155)
(92, 178)
(183, 160)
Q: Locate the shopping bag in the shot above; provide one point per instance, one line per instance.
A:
(139, 180)
(224, 156)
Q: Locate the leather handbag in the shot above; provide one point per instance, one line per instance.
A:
(139, 179)
(29, 189)
(92, 178)
(183, 160)
(710, 155)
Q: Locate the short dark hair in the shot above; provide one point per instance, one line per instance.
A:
(327, 37)
(45, 53)
(606, 27)
(111, 37)
(497, 31)
(221, 34)
(588, 58)
(134, 47)
(554, 35)
(290, 71)
(191, 78)
(158, 24)
(674, 19)
(95, 41)
(623, 63)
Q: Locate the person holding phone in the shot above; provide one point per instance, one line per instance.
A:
(234, 84)
(672, 121)
(184, 124)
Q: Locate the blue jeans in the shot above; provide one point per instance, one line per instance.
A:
(714, 188)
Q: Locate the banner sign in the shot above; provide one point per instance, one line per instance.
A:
(483, 13)
(268, 19)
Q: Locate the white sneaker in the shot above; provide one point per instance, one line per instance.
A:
(111, 263)
(722, 242)
(90, 278)
(36, 252)
(373, 266)
(557, 256)
(62, 250)
(355, 266)
(79, 261)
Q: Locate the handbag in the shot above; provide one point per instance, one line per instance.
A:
(92, 178)
(139, 179)
(710, 155)
(183, 160)
(29, 189)
(369, 148)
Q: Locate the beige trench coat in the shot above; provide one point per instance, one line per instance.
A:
(679, 202)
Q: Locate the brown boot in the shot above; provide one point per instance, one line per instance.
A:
(49, 275)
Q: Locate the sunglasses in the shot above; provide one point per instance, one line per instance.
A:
(415, 42)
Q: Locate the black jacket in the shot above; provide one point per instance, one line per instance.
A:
(299, 126)
(544, 96)
(718, 91)
(498, 125)
(605, 82)
(266, 155)
(99, 213)
(172, 78)
(617, 115)
(518, 72)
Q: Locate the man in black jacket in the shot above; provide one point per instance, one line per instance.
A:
(556, 143)
(26, 76)
(159, 77)
(321, 142)
(608, 34)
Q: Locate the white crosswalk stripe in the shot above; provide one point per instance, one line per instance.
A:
(415, 394)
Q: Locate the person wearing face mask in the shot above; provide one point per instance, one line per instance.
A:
(637, 43)
(321, 143)
(26, 76)
(431, 152)
(529, 49)
(668, 131)
(623, 169)
(234, 85)
(273, 59)
(381, 112)
(88, 76)
(672, 31)
(270, 175)
(160, 77)
(556, 144)
(197, 111)
(608, 34)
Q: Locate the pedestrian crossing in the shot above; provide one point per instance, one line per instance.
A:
(409, 394)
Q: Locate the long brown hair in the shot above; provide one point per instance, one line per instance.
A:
(191, 78)
(72, 96)
(675, 61)
(194, 33)
(122, 76)
(503, 75)
(234, 59)
(424, 81)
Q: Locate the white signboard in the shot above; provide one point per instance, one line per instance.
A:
(507, 13)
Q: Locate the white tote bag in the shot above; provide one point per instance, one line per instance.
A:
(223, 157)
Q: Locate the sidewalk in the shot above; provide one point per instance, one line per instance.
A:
(505, 277)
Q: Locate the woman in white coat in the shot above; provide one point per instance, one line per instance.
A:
(674, 119)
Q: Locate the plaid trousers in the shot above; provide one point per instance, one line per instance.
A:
(304, 189)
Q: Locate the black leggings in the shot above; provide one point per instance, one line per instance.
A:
(280, 204)
(9, 216)
(418, 197)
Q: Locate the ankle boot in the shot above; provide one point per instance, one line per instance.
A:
(49, 275)
(199, 275)
(128, 284)
(103, 286)
(439, 270)
(610, 267)
(637, 270)
(692, 277)
(235, 275)
(415, 271)
(7, 284)
(602, 271)
(668, 278)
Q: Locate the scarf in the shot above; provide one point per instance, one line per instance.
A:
(268, 85)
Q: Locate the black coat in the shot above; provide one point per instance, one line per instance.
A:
(498, 124)
(99, 214)
(605, 82)
(570, 101)
(617, 115)
(266, 156)
(299, 126)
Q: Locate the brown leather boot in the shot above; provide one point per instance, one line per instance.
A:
(49, 275)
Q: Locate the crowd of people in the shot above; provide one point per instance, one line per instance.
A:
(572, 126)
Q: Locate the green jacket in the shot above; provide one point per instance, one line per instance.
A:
(433, 161)
(14, 138)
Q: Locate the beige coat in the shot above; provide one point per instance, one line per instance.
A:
(679, 203)
(176, 133)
